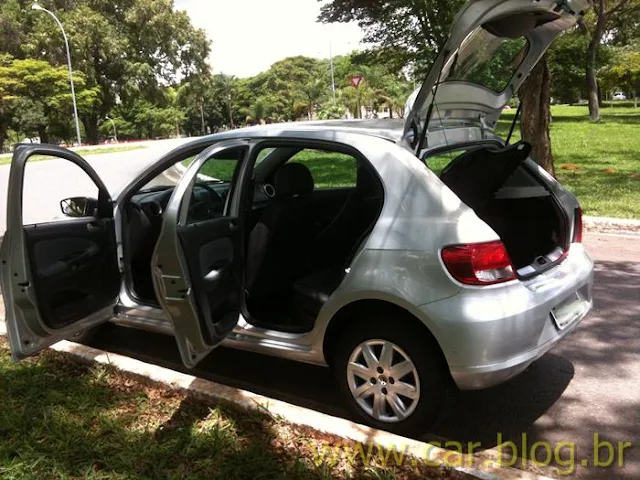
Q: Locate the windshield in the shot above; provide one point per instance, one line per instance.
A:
(486, 60)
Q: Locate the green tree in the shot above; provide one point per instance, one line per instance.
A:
(407, 31)
(382, 88)
(293, 85)
(566, 66)
(624, 70)
(7, 97)
(607, 21)
(35, 98)
(331, 111)
(128, 51)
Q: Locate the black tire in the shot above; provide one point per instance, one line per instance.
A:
(424, 353)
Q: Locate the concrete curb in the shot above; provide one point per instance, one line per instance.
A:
(481, 466)
(612, 225)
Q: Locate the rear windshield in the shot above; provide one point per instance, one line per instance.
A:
(487, 60)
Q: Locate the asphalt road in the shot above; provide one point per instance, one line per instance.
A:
(588, 385)
(48, 182)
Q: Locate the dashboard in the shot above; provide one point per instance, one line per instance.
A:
(208, 200)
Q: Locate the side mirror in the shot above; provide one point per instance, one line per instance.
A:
(78, 207)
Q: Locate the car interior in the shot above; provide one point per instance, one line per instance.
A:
(309, 212)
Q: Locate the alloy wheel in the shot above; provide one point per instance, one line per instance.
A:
(383, 380)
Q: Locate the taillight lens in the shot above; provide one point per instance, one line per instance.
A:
(577, 228)
(479, 263)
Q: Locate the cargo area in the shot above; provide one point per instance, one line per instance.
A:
(509, 197)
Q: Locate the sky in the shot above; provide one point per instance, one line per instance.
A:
(248, 36)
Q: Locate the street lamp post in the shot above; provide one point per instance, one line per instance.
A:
(36, 6)
(113, 124)
(333, 78)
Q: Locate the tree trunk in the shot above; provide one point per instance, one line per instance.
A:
(90, 123)
(535, 95)
(592, 82)
(202, 116)
(231, 124)
(592, 59)
(3, 137)
(43, 134)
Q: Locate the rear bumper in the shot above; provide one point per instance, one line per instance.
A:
(489, 335)
(485, 376)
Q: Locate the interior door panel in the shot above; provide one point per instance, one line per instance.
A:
(197, 265)
(60, 277)
(74, 268)
(214, 271)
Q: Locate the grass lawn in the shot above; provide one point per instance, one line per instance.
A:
(599, 162)
(83, 152)
(64, 419)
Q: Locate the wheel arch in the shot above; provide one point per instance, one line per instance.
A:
(356, 312)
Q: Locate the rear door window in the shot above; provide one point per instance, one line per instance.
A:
(439, 161)
(328, 169)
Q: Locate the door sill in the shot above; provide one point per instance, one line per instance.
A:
(278, 327)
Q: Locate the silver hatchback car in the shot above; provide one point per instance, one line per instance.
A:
(413, 257)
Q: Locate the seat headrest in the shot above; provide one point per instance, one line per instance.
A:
(293, 179)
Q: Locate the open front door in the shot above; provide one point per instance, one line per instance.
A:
(198, 260)
(58, 277)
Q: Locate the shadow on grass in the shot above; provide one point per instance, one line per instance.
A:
(63, 419)
(626, 118)
(602, 156)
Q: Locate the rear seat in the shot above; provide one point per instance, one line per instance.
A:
(336, 246)
(310, 293)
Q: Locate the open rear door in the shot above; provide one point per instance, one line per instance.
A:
(58, 277)
(198, 261)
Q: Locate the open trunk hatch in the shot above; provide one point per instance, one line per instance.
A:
(493, 46)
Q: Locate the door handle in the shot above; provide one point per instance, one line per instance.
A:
(94, 227)
(213, 276)
(232, 226)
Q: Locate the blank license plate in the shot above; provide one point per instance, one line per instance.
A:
(569, 310)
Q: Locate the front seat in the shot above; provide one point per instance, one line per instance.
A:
(280, 240)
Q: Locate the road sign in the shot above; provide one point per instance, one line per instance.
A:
(356, 80)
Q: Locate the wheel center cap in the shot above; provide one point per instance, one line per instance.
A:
(383, 380)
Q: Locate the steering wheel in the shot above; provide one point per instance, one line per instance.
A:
(207, 208)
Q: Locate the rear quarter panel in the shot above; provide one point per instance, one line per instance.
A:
(400, 261)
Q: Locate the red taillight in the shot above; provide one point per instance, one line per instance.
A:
(577, 228)
(479, 263)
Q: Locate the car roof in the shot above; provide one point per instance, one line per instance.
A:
(388, 129)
